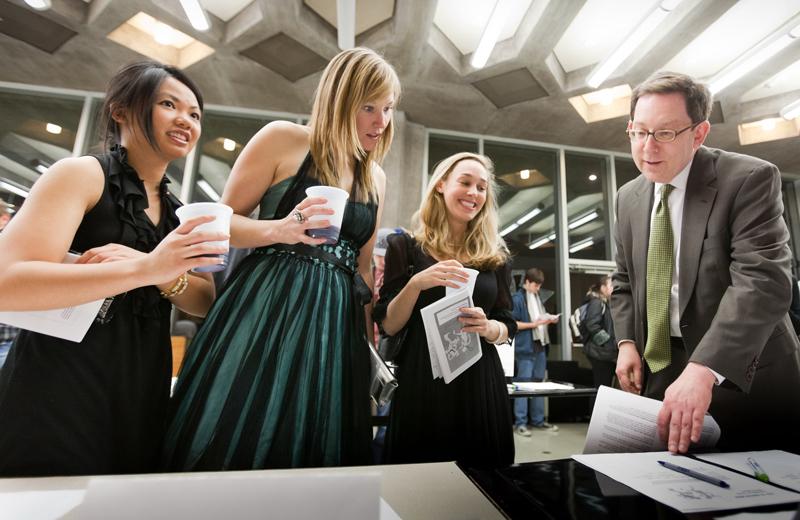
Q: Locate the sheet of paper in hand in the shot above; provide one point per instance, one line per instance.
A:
(70, 323)
(455, 350)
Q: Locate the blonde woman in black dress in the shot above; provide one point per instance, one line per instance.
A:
(468, 420)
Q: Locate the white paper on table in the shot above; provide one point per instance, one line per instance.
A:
(455, 351)
(781, 467)
(623, 422)
(70, 323)
(642, 472)
(532, 386)
(39, 505)
(245, 495)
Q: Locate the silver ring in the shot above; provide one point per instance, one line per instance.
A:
(298, 216)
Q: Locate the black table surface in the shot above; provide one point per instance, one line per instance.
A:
(566, 489)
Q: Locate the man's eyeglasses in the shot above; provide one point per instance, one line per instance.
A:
(637, 135)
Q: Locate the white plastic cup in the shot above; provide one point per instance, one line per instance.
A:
(337, 201)
(469, 284)
(221, 223)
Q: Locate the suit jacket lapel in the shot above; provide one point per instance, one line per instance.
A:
(640, 227)
(697, 204)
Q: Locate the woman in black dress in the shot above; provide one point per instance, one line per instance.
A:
(99, 406)
(468, 420)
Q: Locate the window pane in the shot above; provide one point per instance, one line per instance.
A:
(36, 131)
(586, 206)
(222, 140)
(626, 171)
(443, 146)
(525, 178)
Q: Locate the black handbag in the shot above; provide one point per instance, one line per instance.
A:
(389, 347)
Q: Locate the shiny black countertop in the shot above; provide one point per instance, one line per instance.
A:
(566, 489)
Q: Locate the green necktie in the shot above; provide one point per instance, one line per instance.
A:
(659, 286)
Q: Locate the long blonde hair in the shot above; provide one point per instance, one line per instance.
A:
(483, 247)
(351, 79)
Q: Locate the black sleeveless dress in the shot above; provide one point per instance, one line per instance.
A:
(98, 406)
(278, 375)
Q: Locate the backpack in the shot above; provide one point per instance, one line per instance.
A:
(580, 320)
(579, 316)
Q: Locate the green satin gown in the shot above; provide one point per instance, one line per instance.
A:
(278, 375)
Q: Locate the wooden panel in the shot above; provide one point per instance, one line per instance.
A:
(178, 351)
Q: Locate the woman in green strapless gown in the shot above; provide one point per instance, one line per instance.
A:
(278, 375)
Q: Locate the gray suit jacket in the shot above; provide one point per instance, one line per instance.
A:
(735, 275)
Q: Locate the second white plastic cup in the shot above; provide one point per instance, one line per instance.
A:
(221, 223)
(470, 284)
(337, 201)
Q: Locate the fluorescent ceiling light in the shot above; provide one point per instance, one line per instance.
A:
(490, 34)
(39, 5)
(643, 29)
(791, 111)
(726, 77)
(542, 241)
(526, 217)
(14, 189)
(208, 190)
(583, 244)
(509, 229)
(523, 219)
(578, 222)
(41, 168)
(197, 17)
(346, 23)
(229, 144)
(53, 128)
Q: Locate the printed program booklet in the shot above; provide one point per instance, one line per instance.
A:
(451, 351)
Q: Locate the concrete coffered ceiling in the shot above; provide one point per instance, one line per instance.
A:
(267, 54)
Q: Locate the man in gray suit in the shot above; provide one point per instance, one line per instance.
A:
(703, 279)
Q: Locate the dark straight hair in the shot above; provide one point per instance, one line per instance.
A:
(134, 89)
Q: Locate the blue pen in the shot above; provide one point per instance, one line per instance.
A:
(758, 470)
(694, 474)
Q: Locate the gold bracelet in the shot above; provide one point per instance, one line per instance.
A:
(178, 288)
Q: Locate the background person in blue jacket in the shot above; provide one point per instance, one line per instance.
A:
(531, 345)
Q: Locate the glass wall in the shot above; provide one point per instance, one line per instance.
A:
(36, 130)
(443, 146)
(222, 141)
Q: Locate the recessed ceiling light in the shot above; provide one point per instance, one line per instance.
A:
(769, 129)
(229, 144)
(593, 177)
(53, 128)
(153, 38)
(791, 111)
(603, 104)
(524, 174)
(39, 5)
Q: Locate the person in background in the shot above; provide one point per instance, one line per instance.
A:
(599, 345)
(531, 346)
(703, 279)
(99, 406)
(7, 332)
(279, 374)
(468, 420)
